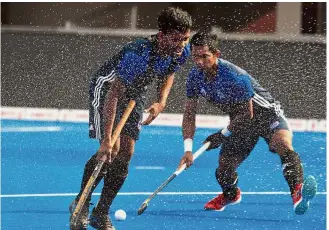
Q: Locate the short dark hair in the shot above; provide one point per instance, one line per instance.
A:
(205, 39)
(173, 18)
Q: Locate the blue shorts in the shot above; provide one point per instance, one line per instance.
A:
(241, 144)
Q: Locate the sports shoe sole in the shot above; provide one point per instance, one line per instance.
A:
(308, 192)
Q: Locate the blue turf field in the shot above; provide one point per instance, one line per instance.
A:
(42, 165)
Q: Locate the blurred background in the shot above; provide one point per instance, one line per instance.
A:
(49, 50)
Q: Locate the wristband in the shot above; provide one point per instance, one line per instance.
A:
(226, 132)
(188, 143)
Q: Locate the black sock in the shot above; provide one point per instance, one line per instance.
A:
(230, 192)
(113, 182)
(88, 171)
(228, 182)
(292, 169)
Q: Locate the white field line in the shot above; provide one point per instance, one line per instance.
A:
(149, 167)
(31, 129)
(146, 194)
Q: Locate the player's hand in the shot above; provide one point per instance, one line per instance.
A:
(154, 111)
(104, 152)
(187, 159)
(215, 140)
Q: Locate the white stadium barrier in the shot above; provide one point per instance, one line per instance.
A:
(164, 119)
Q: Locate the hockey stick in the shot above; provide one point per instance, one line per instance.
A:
(175, 174)
(91, 181)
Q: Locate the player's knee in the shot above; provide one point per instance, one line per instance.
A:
(120, 167)
(281, 144)
(126, 150)
(124, 154)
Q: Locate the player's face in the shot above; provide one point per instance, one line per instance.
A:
(203, 58)
(175, 41)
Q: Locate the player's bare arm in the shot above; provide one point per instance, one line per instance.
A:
(191, 106)
(157, 107)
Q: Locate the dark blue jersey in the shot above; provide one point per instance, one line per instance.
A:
(231, 86)
(136, 65)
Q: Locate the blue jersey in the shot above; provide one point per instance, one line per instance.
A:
(231, 86)
(136, 65)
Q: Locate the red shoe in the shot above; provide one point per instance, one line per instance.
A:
(220, 202)
(297, 195)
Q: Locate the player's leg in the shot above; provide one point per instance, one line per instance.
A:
(89, 168)
(118, 170)
(96, 126)
(232, 154)
(280, 141)
(113, 182)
